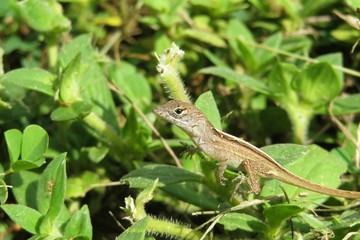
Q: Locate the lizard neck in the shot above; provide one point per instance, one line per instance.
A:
(201, 130)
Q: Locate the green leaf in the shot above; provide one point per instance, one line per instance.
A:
(279, 81)
(25, 187)
(145, 176)
(275, 215)
(291, 9)
(345, 33)
(210, 38)
(78, 110)
(335, 59)
(317, 83)
(144, 197)
(193, 193)
(59, 188)
(130, 130)
(238, 35)
(235, 77)
(236, 29)
(313, 221)
(22, 165)
(70, 83)
(26, 217)
(245, 52)
(348, 218)
(206, 103)
(52, 187)
(135, 133)
(233, 221)
(96, 154)
(79, 186)
(158, 5)
(44, 16)
(213, 58)
(312, 8)
(215, 7)
(1, 60)
(3, 192)
(79, 45)
(79, 225)
(34, 144)
(354, 4)
(309, 162)
(346, 153)
(136, 231)
(265, 56)
(347, 104)
(17, 43)
(180, 183)
(161, 40)
(275, 120)
(33, 79)
(132, 83)
(342, 105)
(13, 139)
(94, 89)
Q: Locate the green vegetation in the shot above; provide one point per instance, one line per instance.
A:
(82, 156)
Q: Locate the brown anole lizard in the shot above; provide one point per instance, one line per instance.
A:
(232, 151)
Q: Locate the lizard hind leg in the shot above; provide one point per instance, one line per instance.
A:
(252, 178)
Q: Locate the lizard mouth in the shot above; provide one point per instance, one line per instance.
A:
(157, 111)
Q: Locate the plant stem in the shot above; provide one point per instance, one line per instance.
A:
(172, 229)
(95, 122)
(300, 117)
(52, 53)
(168, 67)
(105, 130)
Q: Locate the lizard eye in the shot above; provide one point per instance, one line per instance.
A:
(179, 111)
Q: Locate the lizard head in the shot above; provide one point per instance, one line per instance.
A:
(184, 115)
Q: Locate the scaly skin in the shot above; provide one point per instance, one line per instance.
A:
(233, 151)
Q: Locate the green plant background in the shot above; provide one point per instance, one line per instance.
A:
(80, 154)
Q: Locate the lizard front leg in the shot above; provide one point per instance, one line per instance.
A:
(220, 172)
(190, 150)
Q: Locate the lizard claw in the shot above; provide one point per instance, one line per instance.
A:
(222, 180)
(241, 178)
(189, 151)
(220, 173)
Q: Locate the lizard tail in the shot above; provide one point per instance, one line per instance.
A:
(303, 183)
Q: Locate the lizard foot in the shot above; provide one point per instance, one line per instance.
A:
(190, 150)
(239, 180)
(222, 180)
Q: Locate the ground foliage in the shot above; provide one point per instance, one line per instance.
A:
(78, 79)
